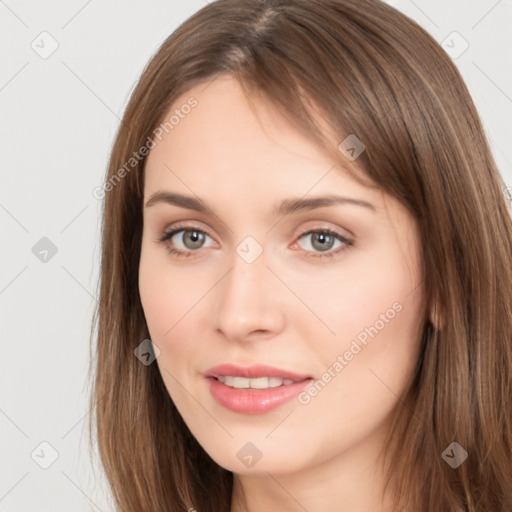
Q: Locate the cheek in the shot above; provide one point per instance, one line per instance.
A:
(166, 293)
(157, 305)
(355, 296)
(370, 315)
(365, 368)
(165, 300)
(173, 301)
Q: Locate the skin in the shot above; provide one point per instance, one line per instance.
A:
(291, 308)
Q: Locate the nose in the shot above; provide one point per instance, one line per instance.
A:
(249, 302)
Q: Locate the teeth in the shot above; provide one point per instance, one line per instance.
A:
(258, 383)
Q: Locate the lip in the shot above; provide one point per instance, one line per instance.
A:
(253, 372)
(254, 401)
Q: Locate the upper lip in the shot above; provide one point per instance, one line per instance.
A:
(253, 372)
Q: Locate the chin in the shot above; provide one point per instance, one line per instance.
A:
(246, 458)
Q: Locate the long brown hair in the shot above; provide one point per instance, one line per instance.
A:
(370, 71)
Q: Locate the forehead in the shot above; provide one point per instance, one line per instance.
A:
(246, 146)
(225, 118)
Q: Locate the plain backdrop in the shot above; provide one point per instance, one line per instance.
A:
(68, 68)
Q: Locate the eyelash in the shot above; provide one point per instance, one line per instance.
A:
(167, 235)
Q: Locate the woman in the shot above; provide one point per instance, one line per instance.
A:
(306, 282)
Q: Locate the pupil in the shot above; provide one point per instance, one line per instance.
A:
(195, 238)
(322, 238)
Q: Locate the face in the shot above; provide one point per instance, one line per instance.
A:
(287, 328)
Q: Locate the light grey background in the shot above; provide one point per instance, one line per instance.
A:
(59, 115)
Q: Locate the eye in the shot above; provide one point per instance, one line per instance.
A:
(189, 238)
(185, 240)
(322, 241)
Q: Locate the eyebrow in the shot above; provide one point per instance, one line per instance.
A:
(286, 206)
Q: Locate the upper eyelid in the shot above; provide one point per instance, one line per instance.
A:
(168, 234)
(191, 227)
(332, 231)
(177, 229)
(188, 227)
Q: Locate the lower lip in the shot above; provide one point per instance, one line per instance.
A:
(254, 401)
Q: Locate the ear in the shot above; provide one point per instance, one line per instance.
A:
(437, 316)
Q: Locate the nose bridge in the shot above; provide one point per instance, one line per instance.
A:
(247, 300)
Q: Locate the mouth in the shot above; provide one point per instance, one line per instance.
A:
(257, 383)
(255, 389)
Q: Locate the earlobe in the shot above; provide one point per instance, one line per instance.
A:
(436, 316)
